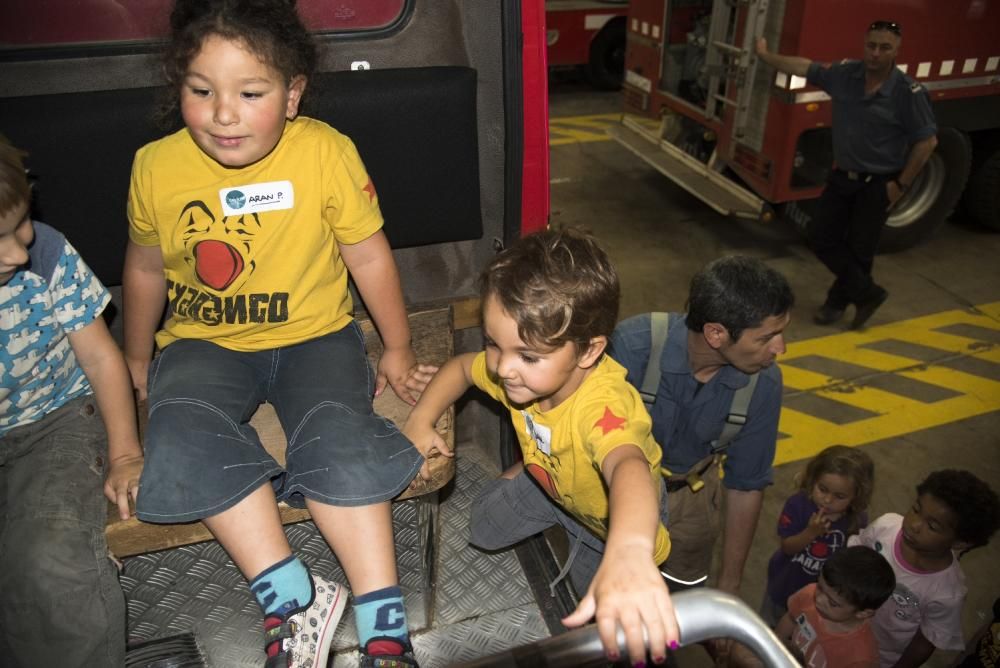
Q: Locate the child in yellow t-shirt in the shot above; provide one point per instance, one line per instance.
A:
(245, 225)
(590, 463)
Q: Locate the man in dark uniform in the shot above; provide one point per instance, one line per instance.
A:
(883, 134)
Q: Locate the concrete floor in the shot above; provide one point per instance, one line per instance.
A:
(658, 236)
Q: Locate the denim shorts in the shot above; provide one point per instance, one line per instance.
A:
(203, 457)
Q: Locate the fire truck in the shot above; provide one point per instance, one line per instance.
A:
(755, 143)
(588, 33)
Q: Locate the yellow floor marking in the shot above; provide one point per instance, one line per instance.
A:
(562, 137)
(896, 415)
(990, 355)
(582, 129)
(870, 399)
(599, 121)
(881, 361)
(802, 379)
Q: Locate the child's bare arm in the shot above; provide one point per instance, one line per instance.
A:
(628, 589)
(785, 628)
(444, 389)
(104, 366)
(818, 525)
(375, 273)
(144, 290)
(741, 656)
(917, 652)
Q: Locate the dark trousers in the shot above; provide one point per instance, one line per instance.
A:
(62, 604)
(845, 232)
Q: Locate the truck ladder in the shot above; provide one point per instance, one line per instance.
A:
(726, 61)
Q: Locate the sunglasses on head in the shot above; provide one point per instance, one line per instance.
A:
(891, 26)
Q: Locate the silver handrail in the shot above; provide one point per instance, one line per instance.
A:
(701, 614)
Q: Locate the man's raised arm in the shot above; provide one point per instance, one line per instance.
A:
(796, 65)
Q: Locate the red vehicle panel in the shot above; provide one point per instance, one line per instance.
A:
(588, 33)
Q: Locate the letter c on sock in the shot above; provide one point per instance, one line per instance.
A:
(389, 617)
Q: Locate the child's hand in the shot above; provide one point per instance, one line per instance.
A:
(428, 443)
(819, 523)
(122, 483)
(629, 591)
(139, 371)
(399, 369)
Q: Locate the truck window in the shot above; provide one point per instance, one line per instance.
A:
(40, 23)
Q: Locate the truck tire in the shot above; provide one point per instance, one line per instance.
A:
(606, 68)
(932, 196)
(982, 198)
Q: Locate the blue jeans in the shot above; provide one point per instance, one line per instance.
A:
(509, 511)
(61, 601)
(203, 457)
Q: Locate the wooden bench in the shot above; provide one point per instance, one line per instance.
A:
(432, 330)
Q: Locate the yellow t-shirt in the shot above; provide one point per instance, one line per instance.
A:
(564, 448)
(251, 255)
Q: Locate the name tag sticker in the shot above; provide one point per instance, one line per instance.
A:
(257, 197)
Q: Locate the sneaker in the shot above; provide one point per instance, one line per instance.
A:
(827, 315)
(867, 308)
(403, 660)
(302, 639)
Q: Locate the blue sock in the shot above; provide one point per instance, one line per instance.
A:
(283, 587)
(380, 615)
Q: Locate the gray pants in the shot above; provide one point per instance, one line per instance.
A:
(509, 511)
(62, 603)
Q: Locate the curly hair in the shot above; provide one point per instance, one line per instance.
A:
(14, 188)
(558, 285)
(737, 292)
(973, 503)
(854, 465)
(270, 29)
(861, 575)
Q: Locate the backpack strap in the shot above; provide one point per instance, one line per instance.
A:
(659, 325)
(738, 410)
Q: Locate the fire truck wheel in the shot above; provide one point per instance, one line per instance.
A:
(983, 194)
(606, 68)
(932, 196)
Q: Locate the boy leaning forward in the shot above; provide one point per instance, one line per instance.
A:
(590, 463)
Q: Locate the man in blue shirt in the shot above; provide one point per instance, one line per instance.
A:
(883, 134)
(738, 309)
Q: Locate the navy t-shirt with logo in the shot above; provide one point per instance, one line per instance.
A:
(788, 574)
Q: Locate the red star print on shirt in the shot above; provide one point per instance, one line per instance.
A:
(609, 421)
(370, 189)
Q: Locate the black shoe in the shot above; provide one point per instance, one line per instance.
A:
(867, 308)
(827, 315)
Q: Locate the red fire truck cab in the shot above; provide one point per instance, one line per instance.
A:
(753, 142)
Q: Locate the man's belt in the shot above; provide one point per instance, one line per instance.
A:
(863, 177)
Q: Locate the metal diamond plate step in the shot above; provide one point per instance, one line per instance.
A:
(482, 603)
(470, 639)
